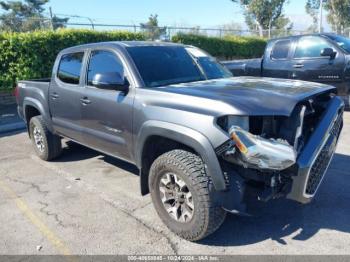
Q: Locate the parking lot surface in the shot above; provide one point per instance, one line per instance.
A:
(89, 203)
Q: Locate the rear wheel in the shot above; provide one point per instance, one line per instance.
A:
(47, 145)
(181, 194)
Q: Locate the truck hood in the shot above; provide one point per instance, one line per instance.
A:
(253, 95)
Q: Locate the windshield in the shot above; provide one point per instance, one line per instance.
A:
(212, 69)
(341, 41)
(166, 65)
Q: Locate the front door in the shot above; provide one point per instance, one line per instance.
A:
(309, 65)
(107, 113)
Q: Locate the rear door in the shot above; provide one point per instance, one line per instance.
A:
(308, 64)
(107, 113)
(65, 94)
(278, 63)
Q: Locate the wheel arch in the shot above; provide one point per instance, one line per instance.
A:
(32, 108)
(186, 138)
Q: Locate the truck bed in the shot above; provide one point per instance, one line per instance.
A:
(36, 81)
(245, 67)
(30, 90)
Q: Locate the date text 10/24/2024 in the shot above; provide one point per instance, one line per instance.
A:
(173, 258)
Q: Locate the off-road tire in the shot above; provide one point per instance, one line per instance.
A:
(207, 216)
(52, 143)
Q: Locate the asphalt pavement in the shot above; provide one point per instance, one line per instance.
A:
(9, 119)
(89, 203)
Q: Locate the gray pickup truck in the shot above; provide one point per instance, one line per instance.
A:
(205, 143)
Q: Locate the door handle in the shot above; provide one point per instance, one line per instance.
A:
(55, 96)
(298, 66)
(85, 101)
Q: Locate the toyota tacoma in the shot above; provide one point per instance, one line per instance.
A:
(203, 141)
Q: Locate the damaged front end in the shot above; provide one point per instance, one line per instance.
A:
(273, 156)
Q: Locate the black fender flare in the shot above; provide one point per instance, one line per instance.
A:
(187, 136)
(36, 104)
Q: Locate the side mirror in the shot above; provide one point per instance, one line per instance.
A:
(328, 52)
(111, 80)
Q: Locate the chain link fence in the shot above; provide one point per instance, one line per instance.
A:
(213, 31)
(173, 30)
(169, 31)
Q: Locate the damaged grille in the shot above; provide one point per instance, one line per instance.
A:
(323, 160)
(337, 126)
(318, 170)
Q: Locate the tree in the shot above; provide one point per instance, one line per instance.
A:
(58, 22)
(22, 16)
(27, 15)
(262, 14)
(338, 13)
(152, 29)
(312, 8)
(282, 26)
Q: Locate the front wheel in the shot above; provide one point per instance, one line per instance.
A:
(181, 194)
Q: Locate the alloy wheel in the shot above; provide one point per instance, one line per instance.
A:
(176, 197)
(38, 139)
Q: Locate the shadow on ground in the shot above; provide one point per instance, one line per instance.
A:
(73, 152)
(12, 133)
(281, 218)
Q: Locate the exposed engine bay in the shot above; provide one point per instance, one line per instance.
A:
(264, 149)
(272, 142)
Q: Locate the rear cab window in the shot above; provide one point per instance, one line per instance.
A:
(69, 69)
(281, 49)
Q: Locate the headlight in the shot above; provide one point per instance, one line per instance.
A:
(261, 153)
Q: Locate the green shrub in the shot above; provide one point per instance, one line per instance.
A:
(32, 55)
(229, 47)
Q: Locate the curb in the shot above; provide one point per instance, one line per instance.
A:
(12, 127)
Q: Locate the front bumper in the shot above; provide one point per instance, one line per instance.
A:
(313, 162)
(299, 182)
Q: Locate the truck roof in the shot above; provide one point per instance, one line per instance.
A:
(123, 44)
(298, 36)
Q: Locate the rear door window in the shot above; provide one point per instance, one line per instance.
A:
(281, 49)
(70, 68)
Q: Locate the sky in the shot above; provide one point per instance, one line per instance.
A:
(204, 13)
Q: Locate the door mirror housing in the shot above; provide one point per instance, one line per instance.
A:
(111, 80)
(328, 52)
